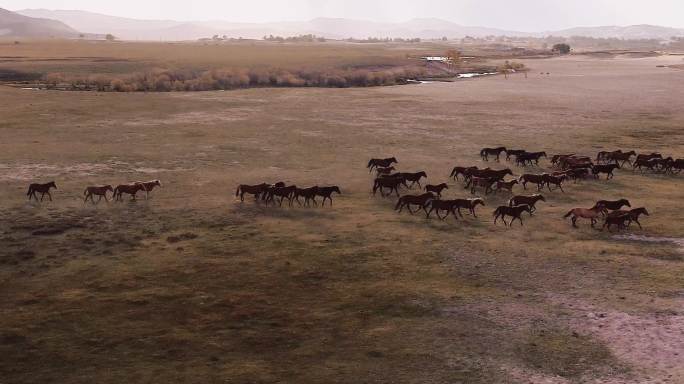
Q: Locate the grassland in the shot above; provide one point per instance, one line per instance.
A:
(193, 286)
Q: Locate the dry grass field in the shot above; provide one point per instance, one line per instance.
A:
(193, 286)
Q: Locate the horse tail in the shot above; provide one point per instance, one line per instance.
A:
(237, 193)
(452, 172)
(496, 212)
(568, 214)
(370, 162)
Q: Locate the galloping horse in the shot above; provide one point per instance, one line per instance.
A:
(414, 177)
(309, 195)
(149, 186)
(442, 205)
(608, 169)
(43, 189)
(436, 189)
(486, 183)
(592, 214)
(505, 185)
(527, 200)
(514, 212)
(613, 205)
(283, 193)
(622, 158)
(393, 183)
(255, 190)
(100, 191)
(469, 204)
(488, 174)
(408, 200)
(633, 215)
(514, 152)
(326, 193)
(461, 171)
(555, 180)
(486, 152)
(534, 179)
(129, 189)
(384, 171)
(381, 163)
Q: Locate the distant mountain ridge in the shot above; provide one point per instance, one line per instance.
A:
(333, 28)
(13, 24)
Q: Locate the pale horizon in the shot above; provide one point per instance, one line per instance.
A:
(524, 16)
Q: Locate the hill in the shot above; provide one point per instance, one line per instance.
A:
(13, 24)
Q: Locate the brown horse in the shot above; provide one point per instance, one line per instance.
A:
(414, 178)
(469, 204)
(514, 152)
(646, 157)
(384, 171)
(555, 180)
(482, 182)
(608, 169)
(281, 192)
(408, 200)
(309, 195)
(436, 189)
(606, 156)
(505, 185)
(129, 189)
(149, 186)
(622, 158)
(514, 212)
(391, 183)
(582, 213)
(100, 191)
(449, 206)
(461, 171)
(617, 220)
(632, 214)
(527, 200)
(381, 163)
(534, 179)
(43, 189)
(326, 193)
(255, 190)
(613, 205)
(486, 152)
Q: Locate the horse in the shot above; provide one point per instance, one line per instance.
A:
(633, 215)
(527, 200)
(483, 182)
(622, 158)
(606, 156)
(583, 213)
(283, 193)
(646, 157)
(490, 174)
(393, 183)
(618, 220)
(534, 179)
(461, 171)
(555, 180)
(384, 171)
(514, 152)
(486, 152)
(506, 185)
(436, 189)
(613, 205)
(382, 163)
(608, 169)
(469, 204)
(309, 195)
(529, 157)
(149, 186)
(269, 188)
(449, 206)
(577, 173)
(408, 200)
(414, 177)
(255, 190)
(100, 191)
(557, 159)
(676, 166)
(326, 193)
(129, 189)
(514, 212)
(43, 189)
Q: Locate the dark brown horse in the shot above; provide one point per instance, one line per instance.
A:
(148, 186)
(326, 193)
(281, 192)
(528, 158)
(381, 163)
(482, 182)
(534, 179)
(436, 189)
(100, 191)
(414, 178)
(391, 183)
(436, 206)
(128, 189)
(309, 195)
(527, 200)
(384, 171)
(514, 212)
(608, 169)
(606, 156)
(409, 200)
(469, 204)
(488, 174)
(646, 157)
(43, 189)
(256, 190)
(633, 215)
(506, 185)
(461, 171)
(622, 158)
(514, 152)
(486, 152)
(555, 180)
(613, 205)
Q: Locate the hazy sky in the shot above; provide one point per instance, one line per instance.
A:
(522, 15)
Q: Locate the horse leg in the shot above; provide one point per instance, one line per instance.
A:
(472, 210)
(42, 195)
(574, 221)
(593, 222)
(519, 218)
(561, 187)
(638, 223)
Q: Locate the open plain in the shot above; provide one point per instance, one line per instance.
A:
(194, 286)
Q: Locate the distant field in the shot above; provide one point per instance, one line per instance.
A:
(194, 286)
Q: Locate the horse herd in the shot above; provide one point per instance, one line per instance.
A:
(568, 167)
(278, 192)
(130, 189)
